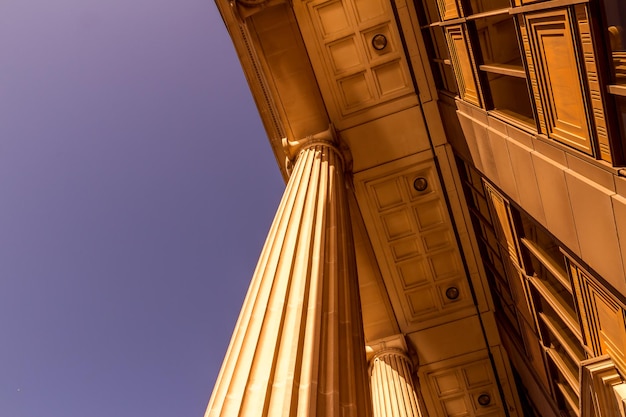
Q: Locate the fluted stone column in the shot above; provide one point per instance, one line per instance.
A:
(298, 349)
(393, 390)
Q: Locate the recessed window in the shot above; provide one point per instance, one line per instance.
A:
(437, 47)
(502, 68)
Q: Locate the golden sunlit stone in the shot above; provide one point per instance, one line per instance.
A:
(469, 185)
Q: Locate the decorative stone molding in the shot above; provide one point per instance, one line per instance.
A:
(395, 343)
(620, 396)
(246, 8)
(603, 390)
(327, 138)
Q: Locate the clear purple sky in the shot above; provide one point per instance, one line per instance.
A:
(136, 189)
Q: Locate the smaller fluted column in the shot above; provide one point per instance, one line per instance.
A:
(391, 369)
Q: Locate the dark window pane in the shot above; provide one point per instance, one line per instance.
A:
(497, 40)
(616, 32)
(510, 95)
(428, 10)
(621, 108)
(448, 78)
(439, 43)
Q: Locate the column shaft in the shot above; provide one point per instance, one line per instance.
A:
(298, 348)
(393, 391)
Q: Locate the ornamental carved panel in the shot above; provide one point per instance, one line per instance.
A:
(593, 80)
(467, 389)
(448, 9)
(462, 62)
(415, 243)
(357, 54)
(558, 89)
(603, 318)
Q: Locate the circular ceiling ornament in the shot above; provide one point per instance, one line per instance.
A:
(379, 42)
(420, 184)
(452, 293)
(484, 399)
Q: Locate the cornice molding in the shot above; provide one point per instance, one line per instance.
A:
(247, 8)
(253, 71)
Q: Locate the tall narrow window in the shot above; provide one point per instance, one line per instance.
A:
(437, 47)
(552, 296)
(502, 68)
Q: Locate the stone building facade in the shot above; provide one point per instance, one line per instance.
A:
(452, 237)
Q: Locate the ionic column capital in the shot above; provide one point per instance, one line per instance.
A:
(327, 138)
(392, 345)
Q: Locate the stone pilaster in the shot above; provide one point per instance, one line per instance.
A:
(391, 369)
(298, 347)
